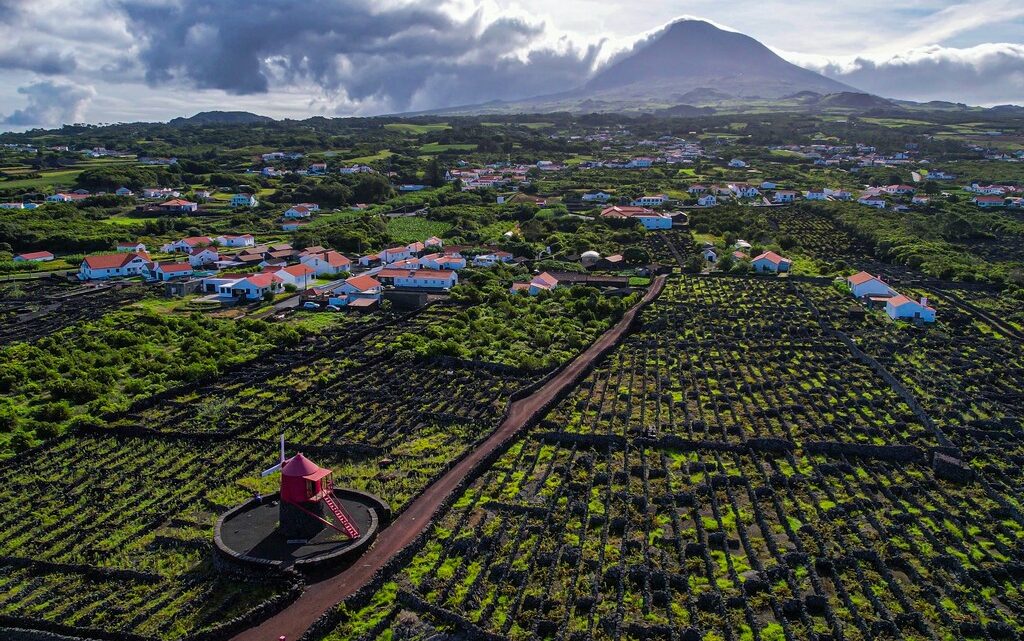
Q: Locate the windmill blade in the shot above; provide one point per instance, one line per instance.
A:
(280, 463)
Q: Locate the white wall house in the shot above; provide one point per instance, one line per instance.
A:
(170, 271)
(770, 262)
(329, 263)
(650, 201)
(864, 284)
(119, 265)
(707, 201)
(655, 221)
(244, 200)
(903, 308)
(245, 240)
(815, 194)
(420, 278)
(202, 256)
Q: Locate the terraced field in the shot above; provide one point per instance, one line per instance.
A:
(736, 470)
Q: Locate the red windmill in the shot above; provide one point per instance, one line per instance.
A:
(306, 489)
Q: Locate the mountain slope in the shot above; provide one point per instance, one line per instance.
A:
(221, 118)
(692, 62)
(692, 54)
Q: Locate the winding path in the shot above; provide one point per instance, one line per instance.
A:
(320, 597)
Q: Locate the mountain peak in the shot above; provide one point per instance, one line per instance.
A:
(693, 53)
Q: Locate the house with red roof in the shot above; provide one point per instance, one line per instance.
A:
(256, 286)
(356, 288)
(298, 211)
(864, 284)
(202, 256)
(231, 240)
(120, 265)
(418, 278)
(770, 262)
(328, 263)
(543, 282)
(443, 261)
(178, 205)
(66, 197)
(187, 244)
(986, 202)
(131, 246)
(493, 258)
(34, 257)
(171, 270)
(395, 254)
(301, 276)
(903, 308)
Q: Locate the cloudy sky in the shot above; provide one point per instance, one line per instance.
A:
(97, 61)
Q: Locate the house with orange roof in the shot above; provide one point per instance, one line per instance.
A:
(543, 282)
(328, 263)
(903, 308)
(187, 244)
(301, 275)
(178, 204)
(170, 270)
(770, 262)
(34, 257)
(864, 284)
(120, 265)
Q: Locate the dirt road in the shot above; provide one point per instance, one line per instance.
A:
(320, 597)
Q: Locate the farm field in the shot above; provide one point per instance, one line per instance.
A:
(782, 493)
(411, 229)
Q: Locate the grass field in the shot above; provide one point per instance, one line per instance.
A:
(380, 155)
(416, 129)
(528, 125)
(436, 148)
(411, 229)
(896, 122)
(59, 177)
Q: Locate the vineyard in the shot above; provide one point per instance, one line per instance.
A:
(741, 468)
(107, 531)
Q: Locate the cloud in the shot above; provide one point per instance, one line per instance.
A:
(41, 60)
(412, 55)
(986, 74)
(50, 104)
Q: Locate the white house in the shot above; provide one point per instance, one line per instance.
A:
(770, 262)
(903, 308)
(129, 246)
(542, 282)
(441, 261)
(864, 284)
(650, 201)
(187, 244)
(654, 221)
(179, 204)
(123, 191)
(329, 263)
(696, 189)
(395, 254)
(158, 192)
(301, 275)
(420, 278)
(256, 286)
(736, 162)
(707, 201)
(597, 197)
(170, 271)
(65, 198)
(493, 258)
(34, 257)
(838, 194)
(356, 169)
(640, 163)
(987, 202)
(318, 168)
(784, 196)
(202, 256)
(743, 190)
(244, 200)
(298, 211)
(228, 240)
(710, 255)
(356, 287)
(815, 194)
(872, 201)
(112, 266)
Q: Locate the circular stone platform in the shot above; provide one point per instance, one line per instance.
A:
(249, 533)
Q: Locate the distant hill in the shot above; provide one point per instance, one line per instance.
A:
(691, 54)
(855, 100)
(684, 111)
(691, 63)
(221, 118)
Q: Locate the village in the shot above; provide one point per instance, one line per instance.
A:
(550, 376)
